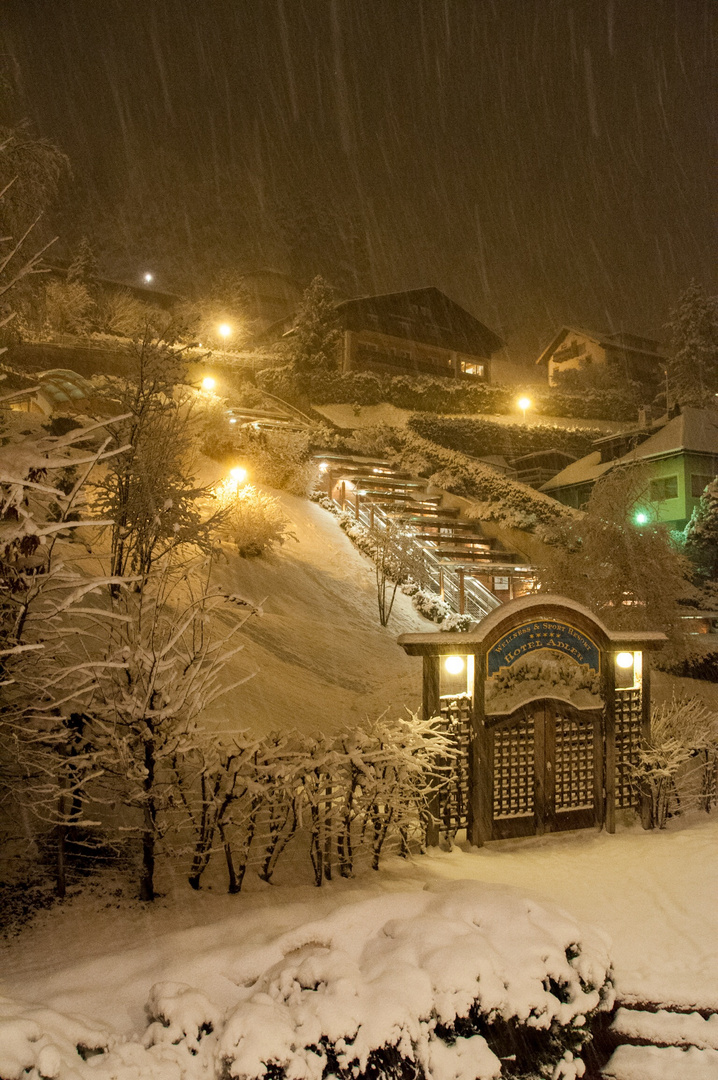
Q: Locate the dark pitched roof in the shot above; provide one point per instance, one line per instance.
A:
(425, 315)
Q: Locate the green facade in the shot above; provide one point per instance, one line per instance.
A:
(676, 483)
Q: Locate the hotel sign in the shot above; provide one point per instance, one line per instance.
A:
(560, 637)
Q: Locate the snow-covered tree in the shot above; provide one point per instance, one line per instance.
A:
(693, 365)
(148, 490)
(701, 533)
(161, 667)
(631, 575)
(83, 267)
(314, 343)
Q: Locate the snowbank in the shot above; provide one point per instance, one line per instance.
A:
(448, 978)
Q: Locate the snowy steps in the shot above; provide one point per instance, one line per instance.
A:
(653, 1042)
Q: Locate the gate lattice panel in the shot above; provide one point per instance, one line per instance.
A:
(454, 799)
(628, 740)
(514, 770)
(574, 769)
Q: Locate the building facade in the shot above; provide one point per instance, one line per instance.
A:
(679, 454)
(571, 348)
(420, 332)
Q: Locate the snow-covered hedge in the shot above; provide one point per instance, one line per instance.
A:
(429, 394)
(461, 981)
(353, 795)
(484, 437)
(501, 498)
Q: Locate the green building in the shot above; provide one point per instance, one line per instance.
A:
(680, 453)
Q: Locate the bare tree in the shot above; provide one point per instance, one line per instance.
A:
(162, 668)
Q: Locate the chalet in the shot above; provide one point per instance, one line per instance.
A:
(420, 332)
(636, 357)
(679, 451)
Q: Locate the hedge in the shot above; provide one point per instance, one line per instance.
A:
(483, 437)
(427, 394)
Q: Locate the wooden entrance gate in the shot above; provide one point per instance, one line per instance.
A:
(546, 769)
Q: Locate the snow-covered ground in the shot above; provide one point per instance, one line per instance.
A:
(321, 659)
(652, 894)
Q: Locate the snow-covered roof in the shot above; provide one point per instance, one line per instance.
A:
(626, 343)
(693, 431)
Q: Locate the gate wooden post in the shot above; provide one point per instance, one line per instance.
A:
(431, 706)
(481, 765)
(609, 744)
(645, 733)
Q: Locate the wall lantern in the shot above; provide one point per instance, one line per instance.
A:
(455, 664)
(625, 659)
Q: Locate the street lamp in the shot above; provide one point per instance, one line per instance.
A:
(641, 518)
(208, 383)
(524, 403)
(148, 278)
(224, 330)
(238, 474)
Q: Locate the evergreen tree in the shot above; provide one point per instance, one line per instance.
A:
(315, 342)
(83, 267)
(693, 366)
(701, 533)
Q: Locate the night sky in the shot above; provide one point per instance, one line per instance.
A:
(542, 161)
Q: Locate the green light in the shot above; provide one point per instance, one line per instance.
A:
(641, 518)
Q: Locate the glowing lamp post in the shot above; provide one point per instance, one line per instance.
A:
(148, 278)
(524, 403)
(208, 384)
(641, 517)
(224, 330)
(238, 475)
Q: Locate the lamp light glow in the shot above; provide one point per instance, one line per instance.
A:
(641, 518)
(524, 403)
(208, 383)
(625, 659)
(148, 278)
(454, 664)
(238, 474)
(323, 466)
(224, 330)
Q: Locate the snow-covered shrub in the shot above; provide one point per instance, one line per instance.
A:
(430, 605)
(254, 522)
(462, 623)
(179, 1014)
(677, 765)
(68, 307)
(279, 459)
(119, 312)
(441, 983)
(37, 1042)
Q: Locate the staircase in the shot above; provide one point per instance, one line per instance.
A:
(455, 552)
(647, 1041)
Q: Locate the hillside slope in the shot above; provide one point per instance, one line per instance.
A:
(320, 656)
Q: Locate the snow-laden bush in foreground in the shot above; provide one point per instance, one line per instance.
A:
(462, 981)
